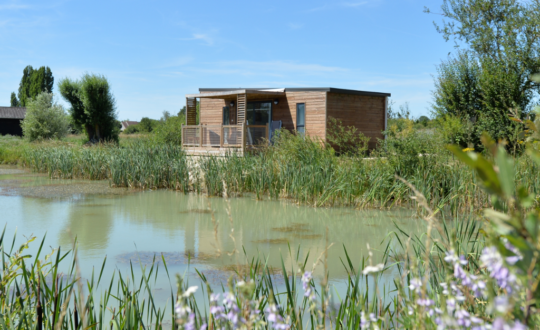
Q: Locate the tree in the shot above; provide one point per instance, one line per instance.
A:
(92, 106)
(34, 82)
(45, 119)
(490, 78)
(146, 125)
(14, 101)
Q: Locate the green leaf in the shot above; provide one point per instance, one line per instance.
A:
(531, 224)
(500, 220)
(483, 168)
(506, 171)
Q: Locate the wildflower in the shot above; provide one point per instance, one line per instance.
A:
(306, 285)
(191, 290)
(501, 304)
(364, 321)
(493, 261)
(468, 149)
(373, 269)
(275, 318)
(416, 285)
(463, 318)
(500, 324)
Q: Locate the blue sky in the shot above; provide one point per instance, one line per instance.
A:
(155, 52)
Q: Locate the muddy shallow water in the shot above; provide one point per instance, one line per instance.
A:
(128, 226)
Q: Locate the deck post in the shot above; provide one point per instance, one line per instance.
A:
(244, 129)
(200, 135)
(221, 137)
(266, 134)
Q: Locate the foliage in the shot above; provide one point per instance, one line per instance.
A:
(482, 93)
(132, 129)
(34, 82)
(92, 106)
(492, 77)
(14, 102)
(148, 125)
(170, 128)
(45, 119)
(346, 140)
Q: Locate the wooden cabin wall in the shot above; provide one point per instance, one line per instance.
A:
(315, 112)
(366, 113)
(211, 111)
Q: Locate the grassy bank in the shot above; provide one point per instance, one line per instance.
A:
(293, 168)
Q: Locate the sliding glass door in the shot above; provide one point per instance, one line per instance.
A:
(259, 113)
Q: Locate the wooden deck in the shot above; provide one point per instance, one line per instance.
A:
(220, 140)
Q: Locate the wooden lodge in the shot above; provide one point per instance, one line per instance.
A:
(240, 119)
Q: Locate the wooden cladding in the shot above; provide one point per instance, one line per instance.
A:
(191, 111)
(241, 105)
(366, 113)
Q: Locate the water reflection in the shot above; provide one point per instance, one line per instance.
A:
(132, 226)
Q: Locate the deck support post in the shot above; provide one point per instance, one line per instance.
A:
(200, 135)
(221, 137)
(266, 133)
(244, 132)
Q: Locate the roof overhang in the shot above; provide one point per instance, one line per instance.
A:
(233, 92)
(301, 89)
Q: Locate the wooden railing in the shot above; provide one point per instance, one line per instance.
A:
(224, 136)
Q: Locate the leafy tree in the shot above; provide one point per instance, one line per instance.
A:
(34, 82)
(92, 106)
(14, 101)
(45, 119)
(133, 129)
(146, 125)
(490, 78)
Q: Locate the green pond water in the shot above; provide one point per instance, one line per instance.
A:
(126, 225)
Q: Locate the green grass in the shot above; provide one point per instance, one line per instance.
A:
(294, 168)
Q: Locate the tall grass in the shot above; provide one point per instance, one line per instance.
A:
(294, 167)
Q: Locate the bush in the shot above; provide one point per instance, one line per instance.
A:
(45, 119)
(170, 130)
(133, 129)
(347, 140)
(93, 106)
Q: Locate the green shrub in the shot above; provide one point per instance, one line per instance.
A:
(170, 129)
(45, 119)
(132, 129)
(347, 140)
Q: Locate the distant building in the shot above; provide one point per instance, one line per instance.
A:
(10, 120)
(127, 123)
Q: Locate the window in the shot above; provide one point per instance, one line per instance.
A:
(301, 118)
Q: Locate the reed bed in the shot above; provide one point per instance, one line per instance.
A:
(293, 168)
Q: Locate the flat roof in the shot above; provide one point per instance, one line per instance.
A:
(301, 89)
(211, 94)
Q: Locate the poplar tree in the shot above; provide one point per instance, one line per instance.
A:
(14, 101)
(34, 82)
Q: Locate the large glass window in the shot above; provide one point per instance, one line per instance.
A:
(226, 116)
(301, 117)
(258, 113)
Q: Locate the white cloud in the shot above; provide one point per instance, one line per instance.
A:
(205, 37)
(14, 6)
(295, 26)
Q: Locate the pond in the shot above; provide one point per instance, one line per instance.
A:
(190, 231)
